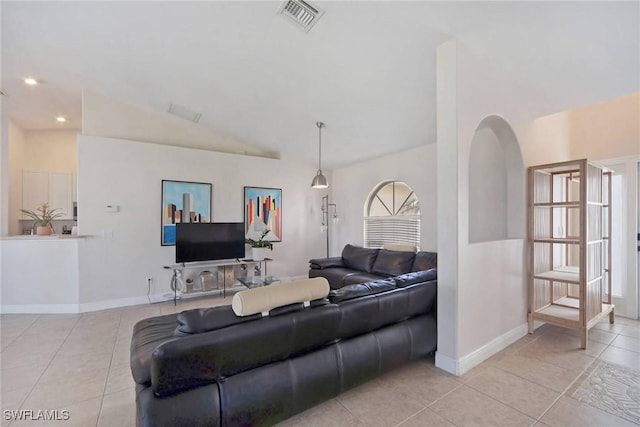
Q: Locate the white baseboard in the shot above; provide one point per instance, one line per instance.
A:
(473, 359)
(114, 303)
(39, 309)
(105, 305)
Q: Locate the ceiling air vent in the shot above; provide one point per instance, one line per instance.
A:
(184, 113)
(301, 13)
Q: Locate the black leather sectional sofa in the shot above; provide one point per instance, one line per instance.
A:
(360, 265)
(210, 367)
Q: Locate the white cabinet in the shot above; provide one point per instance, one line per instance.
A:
(61, 193)
(35, 189)
(54, 188)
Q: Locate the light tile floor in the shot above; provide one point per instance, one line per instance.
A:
(80, 363)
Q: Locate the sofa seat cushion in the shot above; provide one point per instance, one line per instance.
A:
(361, 277)
(266, 298)
(393, 263)
(416, 277)
(147, 335)
(358, 258)
(358, 290)
(425, 261)
(326, 262)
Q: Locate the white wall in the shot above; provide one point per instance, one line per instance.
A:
(107, 117)
(52, 150)
(129, 174)
(483, 285)
(350, 186)
(39, 274)
(606, 130)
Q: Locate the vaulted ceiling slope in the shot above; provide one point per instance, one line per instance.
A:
(367, 69)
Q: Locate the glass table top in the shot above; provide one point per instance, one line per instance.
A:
(257, 281)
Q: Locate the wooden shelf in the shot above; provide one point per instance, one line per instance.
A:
(567, 275)
(564, 240)
(565, 312)
(558, 314)
(557, 205)
(567, 298)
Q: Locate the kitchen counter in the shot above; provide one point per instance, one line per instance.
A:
(35, 237)
(40, 274)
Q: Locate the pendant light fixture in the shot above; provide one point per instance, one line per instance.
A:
(319, 181)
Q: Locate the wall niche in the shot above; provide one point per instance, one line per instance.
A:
(496, 183)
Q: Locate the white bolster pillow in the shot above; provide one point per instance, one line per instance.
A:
(265, 298)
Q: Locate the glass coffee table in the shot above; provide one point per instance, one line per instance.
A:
(258, 281)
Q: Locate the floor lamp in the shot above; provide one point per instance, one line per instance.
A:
(326, 206)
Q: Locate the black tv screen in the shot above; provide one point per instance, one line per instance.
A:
(209, 241)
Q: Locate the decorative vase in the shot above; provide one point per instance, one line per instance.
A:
(259, 254)
(44, 230)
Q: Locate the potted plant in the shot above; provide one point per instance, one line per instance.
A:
(260, 247)
(42, 218)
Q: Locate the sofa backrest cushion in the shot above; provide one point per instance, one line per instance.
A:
(416, 277)
(208, 319)
(425, 261)
(354, 291)
(358, 258)
(393, 263)
(365, 314)
(266, 298)
(201, 320)
(368, 313)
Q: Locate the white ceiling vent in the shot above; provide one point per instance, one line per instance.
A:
(301, 13)
(184, 113)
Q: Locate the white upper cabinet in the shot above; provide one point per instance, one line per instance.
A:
(61, 193)
(55, 188)
(35, 189)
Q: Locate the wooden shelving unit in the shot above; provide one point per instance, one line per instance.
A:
(569, 229)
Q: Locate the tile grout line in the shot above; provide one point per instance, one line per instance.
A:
(564, 392)
(104, 390)
(16, 337)
(50, 361)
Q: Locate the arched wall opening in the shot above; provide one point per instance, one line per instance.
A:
(496, 183)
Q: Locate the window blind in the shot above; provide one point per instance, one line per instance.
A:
(397, 229)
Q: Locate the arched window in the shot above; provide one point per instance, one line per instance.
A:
(392, 216)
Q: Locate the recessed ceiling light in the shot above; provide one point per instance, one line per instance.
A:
(61, 119)
(30, 81)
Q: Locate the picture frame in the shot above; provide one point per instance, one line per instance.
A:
(175, 194)
(263, 210)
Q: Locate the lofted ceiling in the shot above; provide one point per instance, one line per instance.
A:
(366, 69)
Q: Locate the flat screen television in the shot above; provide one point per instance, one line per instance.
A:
(209, 241)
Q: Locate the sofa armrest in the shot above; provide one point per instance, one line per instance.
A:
(320, 263)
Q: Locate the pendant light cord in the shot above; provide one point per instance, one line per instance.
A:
(320, 125)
